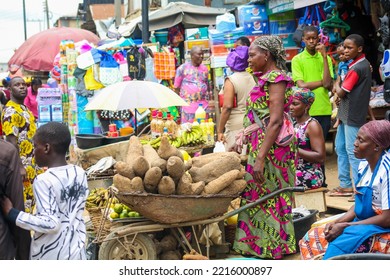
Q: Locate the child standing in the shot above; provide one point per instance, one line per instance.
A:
(60, 192)
(354, 93)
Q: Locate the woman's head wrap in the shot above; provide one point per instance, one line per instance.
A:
(274, 45)
(303, 94)
(378, 132)
(237, 59)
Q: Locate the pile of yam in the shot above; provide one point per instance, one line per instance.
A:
(165, 172)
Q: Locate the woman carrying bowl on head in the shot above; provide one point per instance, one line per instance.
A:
(266, 230)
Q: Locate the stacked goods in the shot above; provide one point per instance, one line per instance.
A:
(165, 172)
(98, 198)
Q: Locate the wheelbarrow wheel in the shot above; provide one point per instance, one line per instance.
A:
(125, 248)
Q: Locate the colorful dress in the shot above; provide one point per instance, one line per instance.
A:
(193, 84)
(266, 230)
(309, 174)
(17, 120)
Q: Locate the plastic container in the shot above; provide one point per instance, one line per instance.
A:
(200, 113)
(161, 37)
(88, 141)
(204, 128)
(302, 225)
(153, 124)
(126, 131)
(211, 130)
(159, 125)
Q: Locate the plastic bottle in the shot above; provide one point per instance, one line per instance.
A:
(165, 132)
(211, 126)
(200, 113)
(204, 128)
(171, 125)
(153, 124)
(159, 125)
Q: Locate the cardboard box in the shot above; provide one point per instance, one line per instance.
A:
(282, 26)
(205, 44)
(247, 13)
(256, 27)
(197, 33)
(291, 52)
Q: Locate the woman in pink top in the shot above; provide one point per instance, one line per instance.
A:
(31, 99)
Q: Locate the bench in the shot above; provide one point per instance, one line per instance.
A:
(311, 199)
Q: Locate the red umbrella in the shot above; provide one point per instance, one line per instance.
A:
(39, 51)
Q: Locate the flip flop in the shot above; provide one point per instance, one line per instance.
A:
(339, 191)
(341, 194)
(352, 198)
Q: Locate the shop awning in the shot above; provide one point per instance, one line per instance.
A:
(172, 14)
(278, 6)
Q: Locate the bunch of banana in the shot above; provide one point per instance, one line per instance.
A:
(155, 143)
(99, 198)
(192, 137)
(176, 142)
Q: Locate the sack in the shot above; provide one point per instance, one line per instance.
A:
(286, 133)
(298, 33)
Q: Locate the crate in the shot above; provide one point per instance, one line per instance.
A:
(101, 225)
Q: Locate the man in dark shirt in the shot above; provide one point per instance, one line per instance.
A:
(14, 241)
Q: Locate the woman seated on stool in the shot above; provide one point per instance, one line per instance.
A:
(365, 228)
(311, 143)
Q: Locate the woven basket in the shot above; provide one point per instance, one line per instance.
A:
(97, 219)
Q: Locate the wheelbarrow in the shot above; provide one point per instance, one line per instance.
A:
(175, 213)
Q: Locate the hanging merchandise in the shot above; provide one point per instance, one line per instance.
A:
(175, 35)
(150, 70)
(136, 63)
(313, 15)
(120, 57)
(89, 58)
(164, 65)
(334, 27)
(109, 72)
(90, 81)
(80, 85)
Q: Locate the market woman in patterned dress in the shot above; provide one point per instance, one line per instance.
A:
(311, 143)
(266, 230)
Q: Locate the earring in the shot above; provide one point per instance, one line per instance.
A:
(376, 149)
(266, 59)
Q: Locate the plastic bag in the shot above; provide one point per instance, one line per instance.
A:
(90, 82)
(109, 70)
(225, 22)
(219, 147)
(88, 59)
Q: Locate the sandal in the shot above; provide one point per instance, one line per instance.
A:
(351, 198)
(339, 191)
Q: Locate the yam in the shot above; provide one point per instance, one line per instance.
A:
(134, 150)
(242, 172)
(122, 183)
(166, 186)
(150, 153)
(140, 166)
(207, 158)
(217, 185)
(193, 255)
(166, 150)
(152, 178)
(236, 187)
(184, 185)
(175, 167)
(197, 188)
(160, 163)
(188, 164)
(124, 169)
(137, 185)
(215, 169)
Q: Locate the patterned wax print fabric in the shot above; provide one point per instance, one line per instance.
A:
(193, 84)
(266, 230)
(17, 120)
(309, 175)
(58, 225)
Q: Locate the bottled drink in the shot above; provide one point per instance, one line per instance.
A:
(165, 132)
(211, 126)
(159, 125)
(171, 126)
(200, 113)
(153, 124)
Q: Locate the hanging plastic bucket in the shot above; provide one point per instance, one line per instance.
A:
(161, 37)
